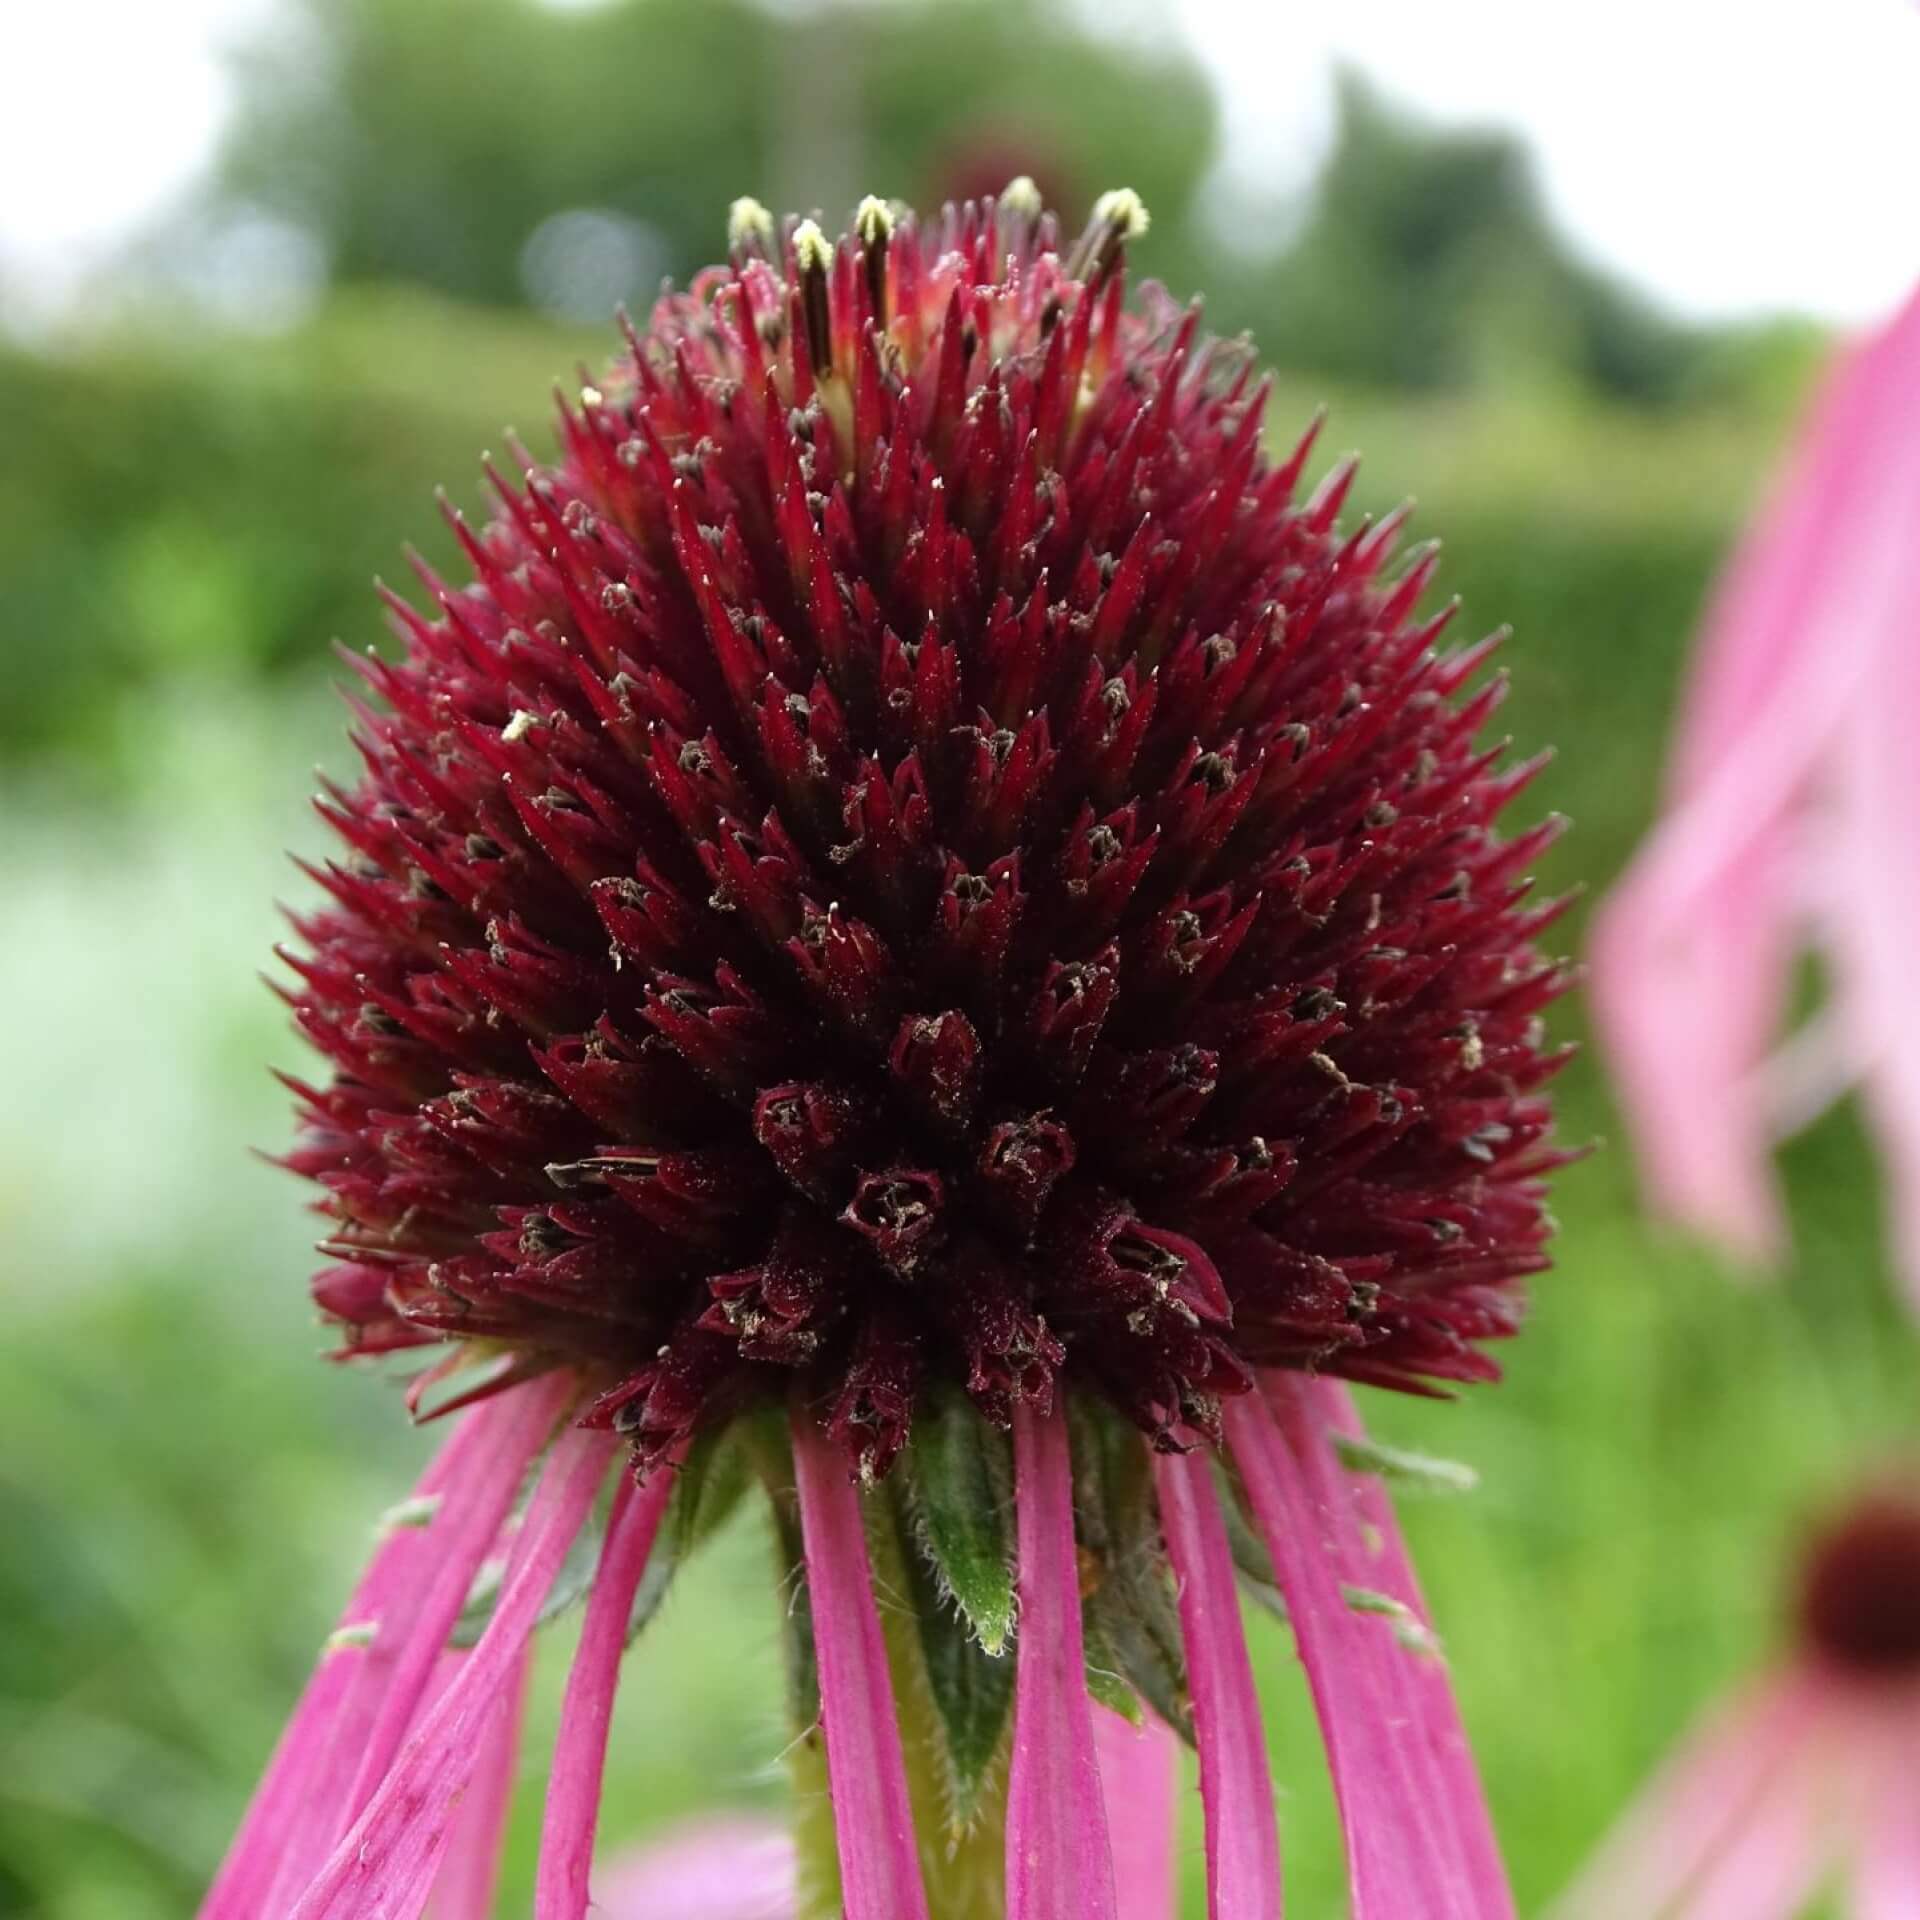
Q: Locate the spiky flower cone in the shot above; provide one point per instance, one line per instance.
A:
(920, 868)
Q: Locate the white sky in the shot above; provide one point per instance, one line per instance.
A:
(1728, 154)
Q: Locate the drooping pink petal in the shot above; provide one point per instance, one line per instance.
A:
(1140, 1776)
(438, 1606)
(1377, 1559)
(384, 1865)
(1058, 1858)
(1877, 916)
(580, 1754)
(470, 1873)
(1697, 1808)
(866, 1771)
(1390, 1863)
(1886, 1867)
(1772, 1862)
(416, 1617)
(1243, 1841)
(1798, 675)
(723, 1869)
(295, 1788)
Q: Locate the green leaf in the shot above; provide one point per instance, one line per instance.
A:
(1134, 1631)
(707, 1488)
(958, 1482)
(1132, 1608)
(570, 1586)
(1417, 1472)
(768, 1450)
(1408, 1628)
(1105, 1681)
(1251, 1560)
(971, 1688)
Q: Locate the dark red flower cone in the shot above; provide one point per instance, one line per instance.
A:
(915, 858)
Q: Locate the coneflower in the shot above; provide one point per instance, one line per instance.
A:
(927, 933)
(1810, 1776)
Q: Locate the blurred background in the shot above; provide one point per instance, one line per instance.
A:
(270, 270)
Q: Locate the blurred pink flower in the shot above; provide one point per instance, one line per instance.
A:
(1789, 824)
(1811, 1773)
(733, 1868)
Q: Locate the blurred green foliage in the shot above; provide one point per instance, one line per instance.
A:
(426, 140)
(505, 152)
(1428, 261)
(185, 1487)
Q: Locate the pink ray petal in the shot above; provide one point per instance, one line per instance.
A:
(541, 1404)
(866, 1771)
(1377, 1558)
(1684, 1042)
(1243, 1840)
(1752, 652)
(1699, 1804)
(293, 1788)
(1772, 1862)
(1058, 1858)
(722, 1869)
(1886, 1871)
(416, 1618)
(1804, 675)
(1878, 917)
(1389, 1861)
(580, 1754)
(384, 1866)
(1140, 1776)
(470, 1874)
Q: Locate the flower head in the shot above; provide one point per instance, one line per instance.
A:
(1808, 1775)
(921, 884)
(913, 860)
(1788, 826)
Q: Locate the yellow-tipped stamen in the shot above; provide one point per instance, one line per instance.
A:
(873, 225)
(813, 261)
(750, 231)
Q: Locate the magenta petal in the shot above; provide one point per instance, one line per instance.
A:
(1140, 1776)
(1886, 1876)
(470, 1873)
(580, 1754)
(294, 1790)
(1243, 1841)
(1390, 1860)
(1377, 1559)
(866, 1771)
(415, 1615)
(732, 1869)
(1697, 1808)
(483, 1512)
(1689, 953)
(1772, 1863)
(384, 1866)
(1876, 919)
(1058, 1860)
(1804, 685)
